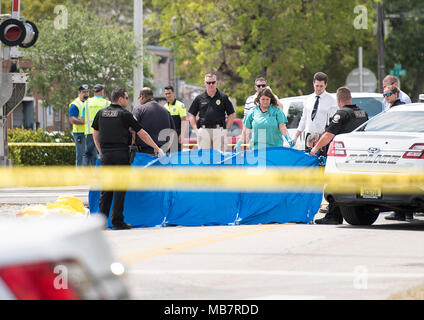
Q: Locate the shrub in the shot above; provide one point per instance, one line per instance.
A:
(41, 155)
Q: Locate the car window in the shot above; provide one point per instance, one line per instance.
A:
(235, 130)
(401, 121)
(294, 114)
(371, 105)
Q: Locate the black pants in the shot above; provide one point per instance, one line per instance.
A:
(110, 158)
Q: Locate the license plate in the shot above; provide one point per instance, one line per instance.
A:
(370, 192)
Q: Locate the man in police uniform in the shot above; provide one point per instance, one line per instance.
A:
(212, 106)
(345, 120)
(178, 113)
(90, 109)
(112, 137)
(77, 121)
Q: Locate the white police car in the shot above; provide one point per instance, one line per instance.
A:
(392, 142)
(58, 258)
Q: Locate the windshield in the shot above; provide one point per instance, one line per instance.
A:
(294, 114)
(401, 121)
(370, 105)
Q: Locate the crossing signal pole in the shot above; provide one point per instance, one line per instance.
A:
(15, 31)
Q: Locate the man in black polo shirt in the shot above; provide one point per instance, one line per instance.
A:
(157, 122)
(212, 107)
(112, 137)
(347, 118)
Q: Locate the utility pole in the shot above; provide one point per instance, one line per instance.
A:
(380, 42)
(138, 39)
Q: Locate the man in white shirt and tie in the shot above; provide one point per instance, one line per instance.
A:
(318, 109)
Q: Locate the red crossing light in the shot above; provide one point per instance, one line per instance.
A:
(17, 33)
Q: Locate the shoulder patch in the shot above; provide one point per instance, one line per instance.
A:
(336, 118)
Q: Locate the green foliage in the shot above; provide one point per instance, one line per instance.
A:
(405, 43)
(41, 155)
(286, 41)
(89, 50)
(240, 112)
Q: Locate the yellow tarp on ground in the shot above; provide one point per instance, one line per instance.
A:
(64, 205)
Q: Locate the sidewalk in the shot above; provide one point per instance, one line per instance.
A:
(42, 195)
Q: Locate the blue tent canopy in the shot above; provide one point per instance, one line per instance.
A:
(216, 207)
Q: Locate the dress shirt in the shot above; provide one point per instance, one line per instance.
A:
(326, 109)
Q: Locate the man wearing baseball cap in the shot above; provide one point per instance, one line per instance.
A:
(77, 121)
(90, 109)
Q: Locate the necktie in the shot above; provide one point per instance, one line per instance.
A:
(314, 111)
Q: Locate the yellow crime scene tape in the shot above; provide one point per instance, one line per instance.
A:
(41, 144)
(204, 178)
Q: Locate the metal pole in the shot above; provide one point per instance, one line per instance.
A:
(380, 40)
(361, 71)
(138, 39)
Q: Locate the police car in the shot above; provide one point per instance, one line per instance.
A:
(58, 258)
(392, 142)
(372, 103)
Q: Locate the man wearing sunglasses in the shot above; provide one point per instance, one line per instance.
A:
(391, 80)
(112, 137)
(212, 106)
(260, 83)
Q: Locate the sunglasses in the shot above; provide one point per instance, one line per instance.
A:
(261, 85)
(388, 94)
(210, 82)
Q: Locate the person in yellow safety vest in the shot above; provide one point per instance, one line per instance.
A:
(178, 113)
(77, 121)
(89, 111)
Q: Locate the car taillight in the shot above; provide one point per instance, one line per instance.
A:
(36, 281)
(336, 149)
(416, 151)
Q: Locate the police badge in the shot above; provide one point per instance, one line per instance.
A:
(218, 102)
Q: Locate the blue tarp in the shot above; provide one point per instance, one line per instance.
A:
(215, 207)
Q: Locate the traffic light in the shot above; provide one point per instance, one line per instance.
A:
(17, 33)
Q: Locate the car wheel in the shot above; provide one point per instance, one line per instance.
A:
(359, 216)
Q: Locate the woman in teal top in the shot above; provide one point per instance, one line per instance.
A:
(267, 122)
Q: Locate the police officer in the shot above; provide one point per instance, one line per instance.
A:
(77, 121)
(178, 113)
(90, 109)
(345, 120)
(212, 106)
(112, 137)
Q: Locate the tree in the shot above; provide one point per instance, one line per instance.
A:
(405, 43)
(89, 49)
(286, 41)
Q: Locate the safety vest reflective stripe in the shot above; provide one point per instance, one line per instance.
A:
(78, 128)
(91, 107)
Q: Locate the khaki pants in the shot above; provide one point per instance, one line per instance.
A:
(212, 139)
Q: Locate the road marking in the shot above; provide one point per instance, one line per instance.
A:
(197, 242)
(315, 274)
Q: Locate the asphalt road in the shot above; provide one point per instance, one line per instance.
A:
(278, 261)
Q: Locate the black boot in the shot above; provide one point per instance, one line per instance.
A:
(333, 216)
